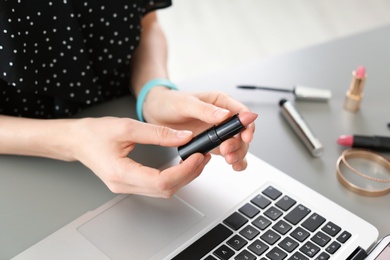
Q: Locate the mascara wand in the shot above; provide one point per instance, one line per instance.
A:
(300, 92)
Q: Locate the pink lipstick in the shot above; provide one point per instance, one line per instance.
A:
(354, 95)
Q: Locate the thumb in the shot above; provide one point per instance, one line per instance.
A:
(145, 133)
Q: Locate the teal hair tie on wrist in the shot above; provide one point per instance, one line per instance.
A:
(145, 90)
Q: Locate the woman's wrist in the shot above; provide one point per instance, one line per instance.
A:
(146, 89)
(36, 137)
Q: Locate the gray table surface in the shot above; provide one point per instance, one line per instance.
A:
(36, 200)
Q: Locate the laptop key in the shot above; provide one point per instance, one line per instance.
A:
(320, 239)
(333, 247)
(285, 203)
(249, 210)
(261, 222)
(288, 244)
(235, 220)
(344, 237)
(313, 222)
(331, 229)
(273, 213)
(309, 249)
(223, 252)
(245, 255)
(270, 237)
(272, 193)
(297, 214)
(300, 234)
(205, 244)
(249, 232)
(210, 257)
(258, 247)
(237, 242)
(261, 201)
(276, 254)
(282, 227)
(298, 256)
(323, 256)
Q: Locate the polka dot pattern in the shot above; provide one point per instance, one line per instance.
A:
(58, 57)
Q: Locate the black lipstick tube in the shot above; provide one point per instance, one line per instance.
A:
(212, 137)
(378, 143)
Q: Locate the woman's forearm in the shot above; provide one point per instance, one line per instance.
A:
(150, 59)
(36, 137)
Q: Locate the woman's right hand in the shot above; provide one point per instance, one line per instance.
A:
(103, 145)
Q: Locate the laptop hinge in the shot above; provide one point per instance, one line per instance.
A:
(358, 254)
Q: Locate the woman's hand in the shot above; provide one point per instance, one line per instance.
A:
(196, 112)
(102, 144)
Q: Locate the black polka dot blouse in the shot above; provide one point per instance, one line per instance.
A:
(60, 56)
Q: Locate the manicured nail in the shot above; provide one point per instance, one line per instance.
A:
(221, 113)
(183, 133)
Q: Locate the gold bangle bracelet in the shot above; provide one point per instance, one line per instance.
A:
(365, 154)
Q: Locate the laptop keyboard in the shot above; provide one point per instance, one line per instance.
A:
(270, 226)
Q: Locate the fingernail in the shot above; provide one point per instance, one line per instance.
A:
(221, 113)
(183, 134)
(200, 160)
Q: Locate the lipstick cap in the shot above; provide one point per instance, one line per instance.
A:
(312, 94)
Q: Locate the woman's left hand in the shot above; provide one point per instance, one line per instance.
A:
(197, 112)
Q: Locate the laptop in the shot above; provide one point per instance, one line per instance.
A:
(261, 213)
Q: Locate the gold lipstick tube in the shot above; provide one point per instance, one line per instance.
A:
(354, 95)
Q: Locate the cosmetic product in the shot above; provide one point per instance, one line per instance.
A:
(354, 94)
(300, 92)
(377, 143)
(215, 135)
(298, 124)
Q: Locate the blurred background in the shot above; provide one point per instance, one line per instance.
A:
(208, 35)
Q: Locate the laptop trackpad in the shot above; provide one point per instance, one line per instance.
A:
(139, 226)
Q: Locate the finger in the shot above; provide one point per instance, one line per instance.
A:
(155, 181)
(241, 165)
(173, 179)
(145, 133)
(204, 111)
(179, 175)
(223, 100)
(193, 175)
(237, 153)
(160, 190)
(231, 145)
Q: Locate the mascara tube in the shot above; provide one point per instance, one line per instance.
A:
(298, 124)
(212, 137)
